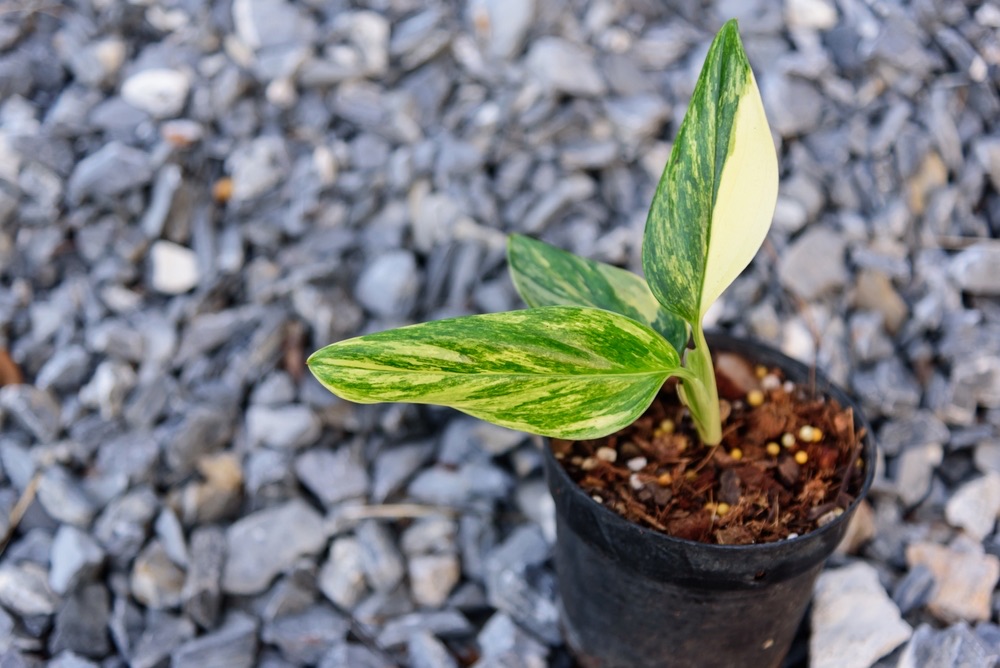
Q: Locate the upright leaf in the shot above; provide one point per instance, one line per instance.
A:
(561, 371)
(714, 202)
(548, 276)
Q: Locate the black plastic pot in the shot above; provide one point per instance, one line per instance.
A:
(634, 597)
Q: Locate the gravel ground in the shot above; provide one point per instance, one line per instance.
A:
(195, 195)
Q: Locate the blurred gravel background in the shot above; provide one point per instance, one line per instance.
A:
(195, 195)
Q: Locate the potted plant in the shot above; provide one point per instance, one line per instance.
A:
(690, 527)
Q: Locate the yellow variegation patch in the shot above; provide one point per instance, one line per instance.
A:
(745, 199)
(561, 371)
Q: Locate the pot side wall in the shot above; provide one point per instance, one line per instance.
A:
(634, 597)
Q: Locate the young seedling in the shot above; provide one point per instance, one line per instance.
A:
(597, 343)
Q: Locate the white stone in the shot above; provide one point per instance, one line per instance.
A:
(285, 427)
(174, 268)
(854, 622)
(564, 67)
(502, 24)
(160, 92)
(814, 14)
(24, 589)
(975, 506)
(432, 577)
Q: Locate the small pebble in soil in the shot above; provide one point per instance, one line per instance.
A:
(807, 433)
(722, 508)
(770, 382)
(736, 454)
(609, 455)
(801, 457)
(637, 464)
(773, 449)
(788, 440)
(755, 398)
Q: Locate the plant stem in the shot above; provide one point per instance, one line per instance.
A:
(701, 396)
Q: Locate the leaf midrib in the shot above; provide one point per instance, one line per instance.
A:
(491, 374)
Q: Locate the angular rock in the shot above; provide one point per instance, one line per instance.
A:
(987, 456)
(914, 589)
(234, 645)
(202, 594)
(515, 585)
(75, 558)
(32, 409)
(285, 427)
(342, 577)
(389, 285)
(914, 468)
(813, 264)
(66, 369)
(382, 561)
(162, 633)
(121, 527)
(265, 543)
(955, 646)
(160, 92)
(442, 623)
(156, 581)
(975, 506)
(81, 624)
(502, 642)
(333, 476)
(304, 637)
(394, 466)
(432, 577)
(258, 166)
(113, 170)
(24, 590)
(811, 14)
(425, 651)
(964, 579)
(974, 269)
(854, 621)
(63, 499)
(447, 487)
(502, 24)
(173, 268)
(920, 428)
(564, 67)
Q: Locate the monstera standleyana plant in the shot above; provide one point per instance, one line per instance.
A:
(598, 342)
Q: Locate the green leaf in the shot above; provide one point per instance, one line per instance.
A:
(562, 371)
(548, 276)
(715, 200)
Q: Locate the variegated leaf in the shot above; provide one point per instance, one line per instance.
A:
(715, 200)
(561, 371)
(548, 276)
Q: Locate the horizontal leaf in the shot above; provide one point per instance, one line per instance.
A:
(715, 200)
(548, 276)
(561, 371)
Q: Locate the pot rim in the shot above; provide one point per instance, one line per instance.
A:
(760, 352)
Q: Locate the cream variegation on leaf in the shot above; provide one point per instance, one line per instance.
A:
(561, 371)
